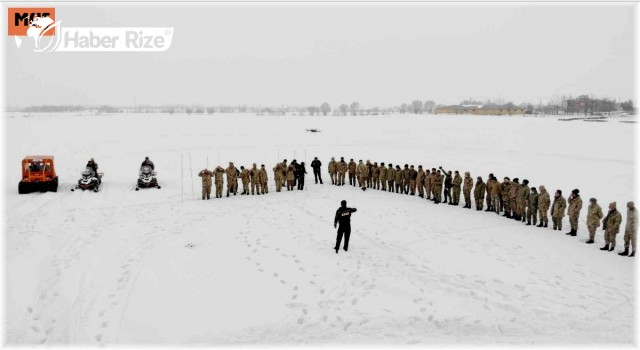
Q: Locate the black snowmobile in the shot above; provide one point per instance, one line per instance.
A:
(89, 180)
(147, 178)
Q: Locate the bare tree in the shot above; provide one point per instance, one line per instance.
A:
(344, 109)
(355, 106)
(417, 106)
(325, 108)
(429, 106)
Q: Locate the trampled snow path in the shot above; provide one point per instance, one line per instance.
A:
(125, 267)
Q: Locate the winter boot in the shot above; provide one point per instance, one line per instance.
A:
(589, 241)
(529, 223)
(625, 252)
(569, 233)
(540, 225)
(546, 224)
(574, 233)
(611, 248)
(606, 247)
(633, 253)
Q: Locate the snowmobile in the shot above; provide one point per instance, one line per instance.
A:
(147, 178)
(89, 180)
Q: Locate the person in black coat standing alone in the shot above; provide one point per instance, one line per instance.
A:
(315, 164)
(343, 217)
(300, 172)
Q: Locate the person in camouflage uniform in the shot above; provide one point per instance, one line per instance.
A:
(447, 186)
(244, 176)
(478, 193)
(420, 181)
(434, 175)
(362, 170)
(505, 188)
(558, 210)
(428, 183)
(413, 177)
(437, 187)
(277, 176)
(523, 199)
(544, 201)
(351, 167)
(283, 176)
(406, 177)
(263, 180)
(219, 179)
(391, 177)
(466, 189)
(490, 185)
(291, 176)
(630, 230)
(333, 171)
(513, 196)
(342, 170)
(611, 227)
(457, 182)
(375, 176)
(232, 179)
(575, 205)
(398, 179)
(254, 177)
(495, 195)
(594, 215)
(206, 183)
(532, 207)
(369, 176)
(383, 177)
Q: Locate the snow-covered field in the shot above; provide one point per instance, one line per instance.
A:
(149, 267)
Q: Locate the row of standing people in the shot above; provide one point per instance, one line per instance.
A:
(514, 199)
(254, 180)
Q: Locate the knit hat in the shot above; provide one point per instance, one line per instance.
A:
(592, 200)
(576, 191)
(630, 205)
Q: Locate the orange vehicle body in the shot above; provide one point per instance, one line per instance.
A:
(38, 174)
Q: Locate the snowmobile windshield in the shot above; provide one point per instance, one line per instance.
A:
(146, 170)
(88, 172)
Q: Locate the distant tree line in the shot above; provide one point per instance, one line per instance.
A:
(582, 104)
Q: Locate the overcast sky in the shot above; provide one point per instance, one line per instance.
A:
(302, 54)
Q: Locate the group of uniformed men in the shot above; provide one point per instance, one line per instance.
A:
(514, 199)
(254, 180)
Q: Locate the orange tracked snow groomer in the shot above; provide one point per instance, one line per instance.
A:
(38, 174)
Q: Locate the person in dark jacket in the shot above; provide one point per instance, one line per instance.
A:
(148, 162)
(300, 172)
(448, 183)
(343, 217)
(315, 164)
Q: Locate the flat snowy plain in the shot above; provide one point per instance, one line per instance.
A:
(149, 267)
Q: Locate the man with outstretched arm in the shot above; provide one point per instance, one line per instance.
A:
(343, 216)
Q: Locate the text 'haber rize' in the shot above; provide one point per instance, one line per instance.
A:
(133, 39)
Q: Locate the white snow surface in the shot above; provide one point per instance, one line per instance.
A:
(149, 267)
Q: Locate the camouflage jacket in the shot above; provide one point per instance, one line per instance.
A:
(351, 167)
(594, 215)
(457, 181)
(468, 184)
(333, 166)
(480, 188)
(559, 206)
(611, 223)
(219, 175)
(575, 205)
(206, 177)
(231, 174)
(632, 221)
(533, 200)
(544, 200)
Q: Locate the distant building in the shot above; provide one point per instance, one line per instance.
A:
(480, 110)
